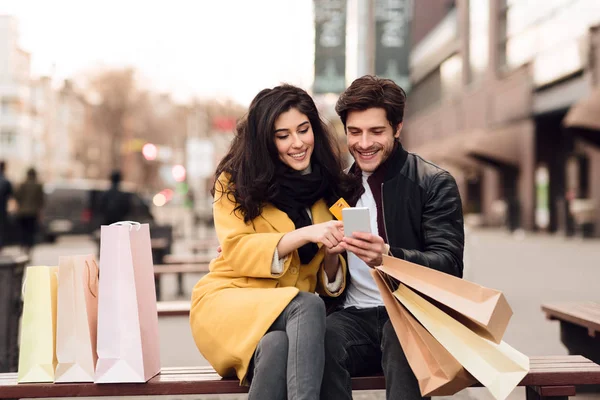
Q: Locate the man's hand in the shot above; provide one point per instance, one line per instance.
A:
(366, 246)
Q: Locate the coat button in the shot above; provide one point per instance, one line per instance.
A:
(294, 270)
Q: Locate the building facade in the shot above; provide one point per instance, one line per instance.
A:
(15, 136)
(492, 83)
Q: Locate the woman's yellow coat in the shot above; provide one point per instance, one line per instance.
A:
(234, 305)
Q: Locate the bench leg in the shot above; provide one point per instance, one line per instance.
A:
(157, 287)
(549, 392)
(180, 291)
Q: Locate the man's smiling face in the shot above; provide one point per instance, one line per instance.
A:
(370, 137)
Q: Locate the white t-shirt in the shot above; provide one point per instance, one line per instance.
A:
(363, 291)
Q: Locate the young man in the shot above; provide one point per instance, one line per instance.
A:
(416, 215)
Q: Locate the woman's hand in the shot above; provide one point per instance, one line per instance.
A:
(329, 233)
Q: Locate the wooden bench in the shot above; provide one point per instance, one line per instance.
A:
(173, 308)
(579, 326)
(179, 269)
(554, 377)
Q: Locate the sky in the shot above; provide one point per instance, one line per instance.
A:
(190, 48)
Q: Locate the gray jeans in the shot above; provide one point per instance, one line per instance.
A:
(289, 360)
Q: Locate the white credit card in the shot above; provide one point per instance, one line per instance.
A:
(356, 219)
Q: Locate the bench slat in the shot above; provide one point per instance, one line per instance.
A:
(181, 268)
(585, 314)
(187, 259)
(173, 308)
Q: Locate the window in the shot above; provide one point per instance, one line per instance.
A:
(479, 25)
(532, 31)
(451, 75)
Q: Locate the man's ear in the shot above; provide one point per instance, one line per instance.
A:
(398, 130)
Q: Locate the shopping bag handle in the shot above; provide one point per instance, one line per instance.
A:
(24, 285)
(130, 223)
(91, 275)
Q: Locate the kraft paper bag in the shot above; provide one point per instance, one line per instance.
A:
(128, 343)
(37, 346)
(438, 373)
(77, 318)
(498, 367)
(483, 310)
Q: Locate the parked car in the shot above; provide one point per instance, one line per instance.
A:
(73, 208)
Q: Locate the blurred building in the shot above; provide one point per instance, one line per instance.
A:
(67, 142)
(492, 81)
(16, 141)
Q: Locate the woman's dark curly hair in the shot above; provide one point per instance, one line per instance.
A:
(252, 158)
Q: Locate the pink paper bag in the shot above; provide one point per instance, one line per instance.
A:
(77, 319)
(128, 343)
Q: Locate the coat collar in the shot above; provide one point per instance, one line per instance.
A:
(282, 223)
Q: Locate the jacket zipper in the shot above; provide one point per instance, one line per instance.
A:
(387, 237)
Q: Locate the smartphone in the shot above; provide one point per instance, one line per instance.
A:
(356, 219)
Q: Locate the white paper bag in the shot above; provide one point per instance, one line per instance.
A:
(128, 343)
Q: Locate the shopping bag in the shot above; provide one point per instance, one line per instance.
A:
(498, 367)
(37, 345)
(128, 344)
(483, 310)
(76, 319)
(438, 373)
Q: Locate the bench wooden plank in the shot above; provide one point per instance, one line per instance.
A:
(549, 376)
(160, 269)
(187, 259)
(173, 308)
(585, 314)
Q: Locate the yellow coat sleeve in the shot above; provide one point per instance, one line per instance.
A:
(247, 252)
(322, 279)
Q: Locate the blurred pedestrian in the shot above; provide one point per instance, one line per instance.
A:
(30, 202)
(115, 205)
(5, 193)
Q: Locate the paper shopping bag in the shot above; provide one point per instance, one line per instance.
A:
(498, 367)
(76, 319)
(128, 345)
(37, 355)
(438, 373)
(482, 309)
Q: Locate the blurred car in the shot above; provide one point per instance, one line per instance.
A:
(73, 207)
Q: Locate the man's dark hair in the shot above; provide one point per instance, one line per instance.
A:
(2, 167)
(372, 92)
(252, 158)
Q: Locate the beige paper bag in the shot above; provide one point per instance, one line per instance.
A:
(482, 309)
(128, 343)
(438, 373)
(77, 317)
(498, 367)
(37, 345)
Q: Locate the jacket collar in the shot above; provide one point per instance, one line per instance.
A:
(282, 223)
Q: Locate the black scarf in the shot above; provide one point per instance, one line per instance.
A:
(296, 193)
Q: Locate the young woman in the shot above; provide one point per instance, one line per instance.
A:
(255, 313)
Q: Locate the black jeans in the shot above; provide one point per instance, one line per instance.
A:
(362, 342)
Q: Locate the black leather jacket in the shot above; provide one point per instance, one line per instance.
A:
(422, 212)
